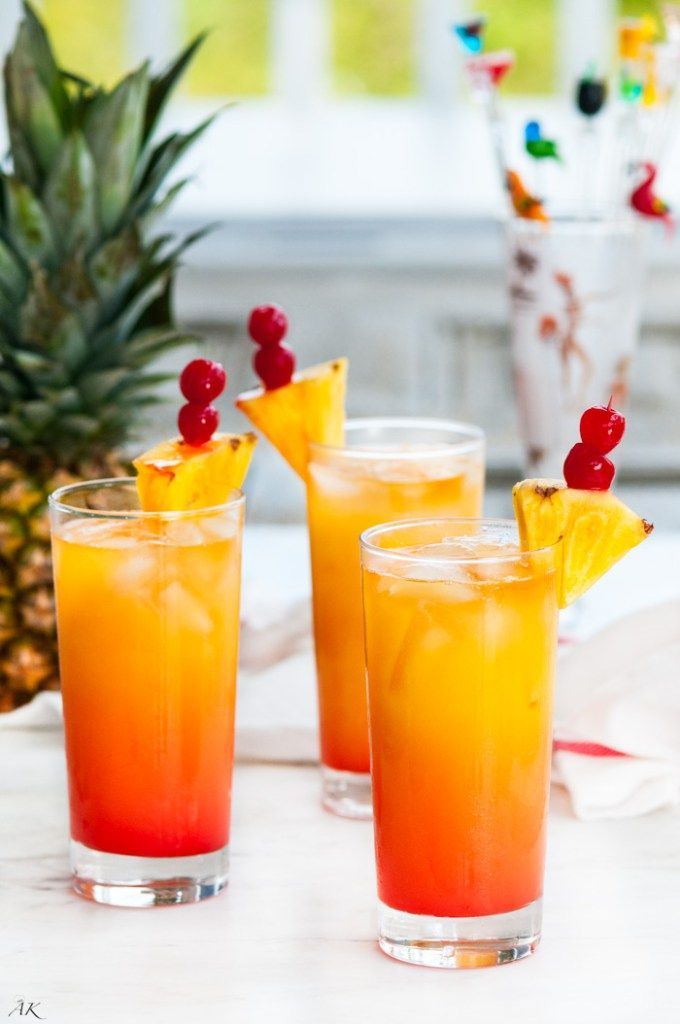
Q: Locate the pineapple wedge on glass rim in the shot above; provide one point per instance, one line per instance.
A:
(175, 476)
(595, 529)
(311, 408)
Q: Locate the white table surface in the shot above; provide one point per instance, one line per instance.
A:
(293, 938)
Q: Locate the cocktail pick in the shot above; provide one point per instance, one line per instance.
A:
(537, 146)
(591, 94)
(485, 73)
(525, 205)
(470, 33)
(644, 199)
(634, 35)
(650, 89)
(489, 69)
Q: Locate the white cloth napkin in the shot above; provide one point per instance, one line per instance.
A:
(617, 716)
(276, 708)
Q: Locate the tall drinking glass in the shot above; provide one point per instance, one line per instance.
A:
(148, 619)
(461, 635)
(576, 289)
(387, 469)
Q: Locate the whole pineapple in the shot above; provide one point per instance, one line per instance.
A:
(85, 307)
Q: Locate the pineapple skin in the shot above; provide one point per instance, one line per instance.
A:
(85, 308)
(28, 639)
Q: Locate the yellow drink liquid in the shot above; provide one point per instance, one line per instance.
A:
(460, 658)
(348, 491)
(148, 618)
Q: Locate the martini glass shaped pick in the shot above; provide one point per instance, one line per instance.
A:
(489, 69)
(470, 33)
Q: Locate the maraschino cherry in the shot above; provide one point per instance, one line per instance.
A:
(267, 325)
(201, 381)
(602, 427)
(587, 467)
(587, 470)
(273, 362)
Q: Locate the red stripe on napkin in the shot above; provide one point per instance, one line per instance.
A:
(590, 749)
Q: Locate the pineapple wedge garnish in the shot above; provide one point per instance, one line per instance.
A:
(596, 530)
(175, 476)
(309, 409)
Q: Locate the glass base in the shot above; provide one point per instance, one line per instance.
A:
(122, 881)
(347, 793)
(455, 942)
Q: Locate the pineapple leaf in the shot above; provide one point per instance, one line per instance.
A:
(137, 382)
(162, 86)
(97, 387)
(50, 326)
(163, 159)
(37, 42)
(28, 223)
(160, 208)
(8, 309)
(12, 275)
(148, 345)
(23, 162)
(119, 330)
(114, 125)
(114, 266)
(29, 108)
(32, 362)
(66, 400)
(79, 425)
(9, 385)
(14, 431)
(69, 195)
(76, 290)
(36, 413)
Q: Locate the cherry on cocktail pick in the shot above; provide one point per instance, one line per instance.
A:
(587, 467)
(587, 470)
(273, 362)
(267, 325)
(197, 423)
(602, 427)
(200, 382)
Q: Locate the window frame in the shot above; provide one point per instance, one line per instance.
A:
(301, 45)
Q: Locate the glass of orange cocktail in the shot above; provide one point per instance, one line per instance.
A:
(461, 634)
(386, 469)
(148, 616)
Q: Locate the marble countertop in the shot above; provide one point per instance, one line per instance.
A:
(292, 939)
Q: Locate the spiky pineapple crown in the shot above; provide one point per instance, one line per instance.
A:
(85, 282)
